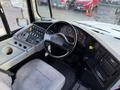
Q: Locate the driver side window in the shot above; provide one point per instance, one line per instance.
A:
(12, 13)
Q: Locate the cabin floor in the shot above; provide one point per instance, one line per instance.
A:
(71, 67)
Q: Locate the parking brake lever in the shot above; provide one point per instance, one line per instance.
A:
(49, 48)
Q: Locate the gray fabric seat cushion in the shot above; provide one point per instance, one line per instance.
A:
(38, 75)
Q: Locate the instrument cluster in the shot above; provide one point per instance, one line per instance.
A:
(70, 33)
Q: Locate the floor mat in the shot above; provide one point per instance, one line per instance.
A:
(69, 74)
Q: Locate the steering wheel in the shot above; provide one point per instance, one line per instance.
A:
(59, 39)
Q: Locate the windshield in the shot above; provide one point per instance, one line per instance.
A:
(107, 11)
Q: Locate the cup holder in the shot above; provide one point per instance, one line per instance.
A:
(7, 50)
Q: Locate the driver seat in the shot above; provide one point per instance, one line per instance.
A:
(38, 75)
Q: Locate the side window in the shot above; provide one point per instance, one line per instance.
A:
(12, 13)
(2, 29)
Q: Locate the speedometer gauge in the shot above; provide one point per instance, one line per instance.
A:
(67, 31)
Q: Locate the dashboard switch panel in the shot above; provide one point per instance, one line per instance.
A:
(32, 35)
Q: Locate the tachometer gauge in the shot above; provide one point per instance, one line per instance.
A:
(68, 32)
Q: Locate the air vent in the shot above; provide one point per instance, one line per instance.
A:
(116, 30)
(93, 27)
(97, 31)
(117, 38)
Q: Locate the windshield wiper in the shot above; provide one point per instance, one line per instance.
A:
(4, 19)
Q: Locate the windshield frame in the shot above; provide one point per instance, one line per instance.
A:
(4, 20)
(36, 6)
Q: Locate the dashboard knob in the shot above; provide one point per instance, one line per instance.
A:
(24, 47)
(15, 42)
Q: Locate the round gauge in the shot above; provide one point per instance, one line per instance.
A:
(81, 37)
(68, 32)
